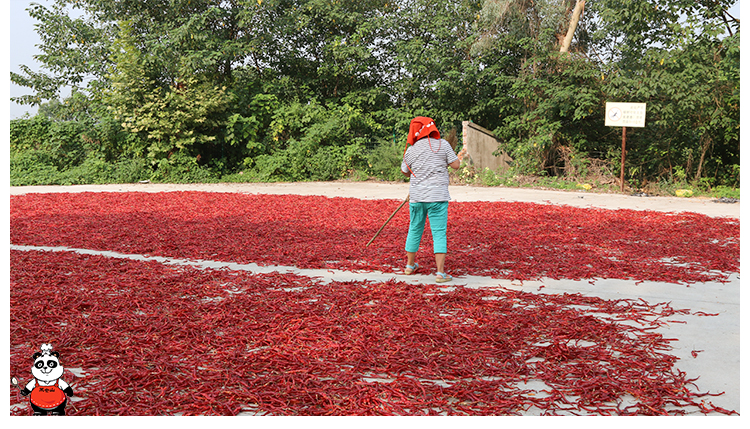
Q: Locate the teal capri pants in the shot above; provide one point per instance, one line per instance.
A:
(438, 215)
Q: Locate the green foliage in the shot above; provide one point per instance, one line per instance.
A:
(490, 178)
(62, 144)
(178, 117)
(271, 168)
(128, 170)
(692, 96)
(726, 192)
(557, 109)
(32, 167)
(75, 50)
(315, 142)
(182, 168)
(26, 134)
(200, 90)
(385, 161)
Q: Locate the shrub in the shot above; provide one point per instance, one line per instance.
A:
(271, 168)
(30, 167)
(335, 162)
(384, 161)
(182, 168)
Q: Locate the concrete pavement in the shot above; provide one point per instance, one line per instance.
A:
(398, 191)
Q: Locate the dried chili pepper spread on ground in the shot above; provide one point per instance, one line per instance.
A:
(508, 240)
(151, 339)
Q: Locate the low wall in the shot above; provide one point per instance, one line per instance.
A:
(480, 144)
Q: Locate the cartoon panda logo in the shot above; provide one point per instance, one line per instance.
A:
(48, 393)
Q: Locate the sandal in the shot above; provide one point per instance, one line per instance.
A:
(442, 278)
(411, 269)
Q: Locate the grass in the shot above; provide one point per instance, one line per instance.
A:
(594, 183)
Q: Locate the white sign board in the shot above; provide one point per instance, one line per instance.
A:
(625, 115)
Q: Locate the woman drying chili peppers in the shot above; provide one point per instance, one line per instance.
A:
(426, 160)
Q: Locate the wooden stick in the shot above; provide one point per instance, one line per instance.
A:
(388, 220)
(622, 163)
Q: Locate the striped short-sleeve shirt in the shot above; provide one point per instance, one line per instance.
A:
(428, 161)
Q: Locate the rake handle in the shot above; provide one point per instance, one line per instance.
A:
(388, 220)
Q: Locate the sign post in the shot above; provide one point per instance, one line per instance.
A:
(625, 115)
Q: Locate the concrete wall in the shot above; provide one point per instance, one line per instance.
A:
(480, 143)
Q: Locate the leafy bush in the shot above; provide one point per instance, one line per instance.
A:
(384, 161)
(91, 170)
(182, 168)
(271, 168)
(130, 171)
(335, 162)
(726, 192)
(28, 168)
(62, 142)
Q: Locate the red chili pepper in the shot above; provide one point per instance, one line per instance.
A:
(162, 340)
(511, 240)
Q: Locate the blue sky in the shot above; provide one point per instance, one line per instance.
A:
(21, 40)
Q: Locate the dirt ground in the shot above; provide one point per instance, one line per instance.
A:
(398, 191)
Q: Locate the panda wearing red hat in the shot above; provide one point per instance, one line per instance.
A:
(426, 161)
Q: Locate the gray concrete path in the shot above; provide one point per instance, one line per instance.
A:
(398, 191)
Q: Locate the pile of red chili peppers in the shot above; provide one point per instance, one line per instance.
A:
(153, 339)
(509, 240)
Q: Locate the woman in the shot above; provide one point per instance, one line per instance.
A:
(426, 162)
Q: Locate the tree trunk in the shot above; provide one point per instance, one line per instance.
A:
(573, 24)
(706, 145)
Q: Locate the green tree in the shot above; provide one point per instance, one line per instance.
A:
(555, 97)
(75, 53)
(679, 58)
(277, 87)
(436, 73)
(179, 117)
(675, 56)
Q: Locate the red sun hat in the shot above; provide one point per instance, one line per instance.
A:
(420, 128)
